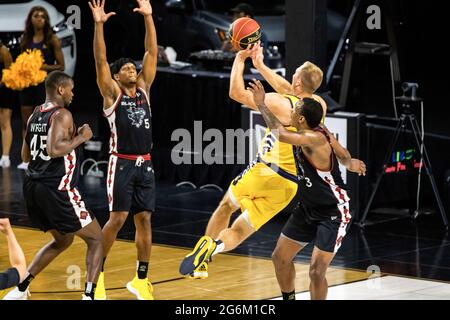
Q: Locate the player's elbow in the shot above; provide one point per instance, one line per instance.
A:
(238, 96)
(53, 152)
(284, 89)
(232, 93)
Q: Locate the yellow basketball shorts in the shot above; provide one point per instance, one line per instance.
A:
(262, 192)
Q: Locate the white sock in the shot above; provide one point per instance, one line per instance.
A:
(5, 157)
(219, 248)
(88, 287)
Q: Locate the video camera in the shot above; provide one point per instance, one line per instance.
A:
(410, 86)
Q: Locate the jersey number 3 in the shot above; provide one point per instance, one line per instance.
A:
(308, 182)
(41, 150)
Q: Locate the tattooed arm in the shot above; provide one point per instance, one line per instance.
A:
(277, 128)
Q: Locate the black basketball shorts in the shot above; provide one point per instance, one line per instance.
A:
(49, 208)
(130, 185)
(327, 232)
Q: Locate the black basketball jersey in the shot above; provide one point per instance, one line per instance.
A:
(320, 189)
(63, 170)
(130, 121)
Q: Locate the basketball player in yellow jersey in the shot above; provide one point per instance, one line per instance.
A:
(269, 184)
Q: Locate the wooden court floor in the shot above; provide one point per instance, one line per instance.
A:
(231, 277)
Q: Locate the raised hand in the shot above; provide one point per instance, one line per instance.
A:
(257, 55)
(145, 8)
(246, 53)
(98, 11)
(257, 89)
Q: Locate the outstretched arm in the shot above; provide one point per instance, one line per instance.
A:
(277, 128)
(148, 72)
(344, 157)
(108, 88)
(16, 256)
(277, 82)
(237, 85)
(277, 104)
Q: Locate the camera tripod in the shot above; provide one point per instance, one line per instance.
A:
(405, 118)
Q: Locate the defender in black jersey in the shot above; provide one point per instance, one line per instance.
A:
(323, 214)
(53, 201)
(130, 179)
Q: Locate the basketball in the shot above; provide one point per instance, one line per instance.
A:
(243, 32)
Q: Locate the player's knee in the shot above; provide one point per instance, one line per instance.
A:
(278, 259)
(316, 273)
(94, 240)
(117, 220)
(96, 237)
(227, 206)
(63, 243)
(143, 220)
(4, 123)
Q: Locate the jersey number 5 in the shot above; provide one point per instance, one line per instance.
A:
(41, 151)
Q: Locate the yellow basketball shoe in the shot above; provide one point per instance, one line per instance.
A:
(100, 292)
(201, 253)
(141, 288)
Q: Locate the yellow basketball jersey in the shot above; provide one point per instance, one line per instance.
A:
(273, 151)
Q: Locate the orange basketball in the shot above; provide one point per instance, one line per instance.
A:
(243, 32)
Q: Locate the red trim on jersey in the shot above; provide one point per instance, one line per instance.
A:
(69, 167)
(41, 109)
(110, 182)
(132, 156)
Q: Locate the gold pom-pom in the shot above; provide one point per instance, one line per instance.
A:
(25, 71)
